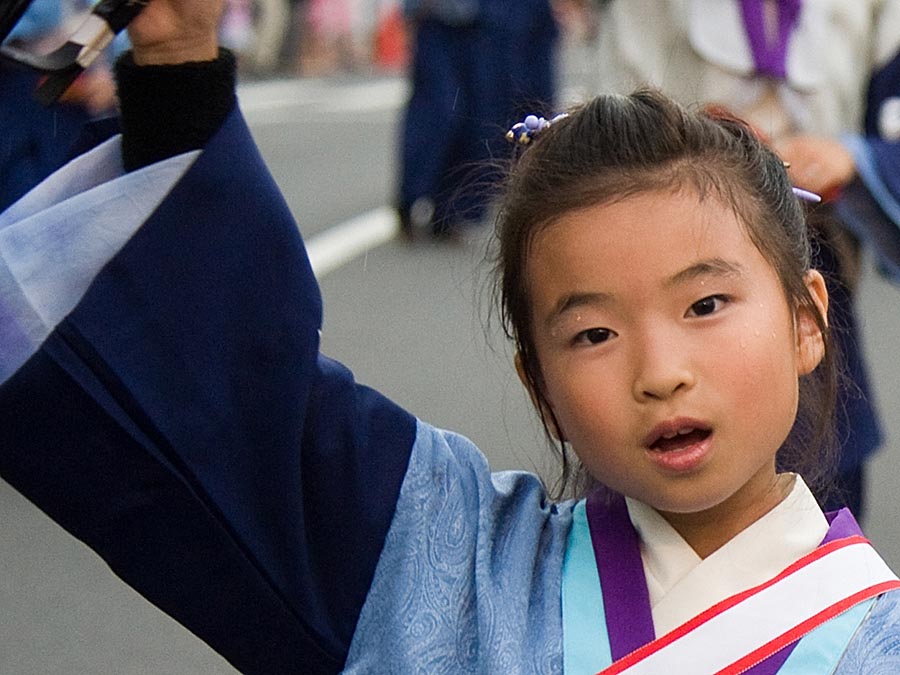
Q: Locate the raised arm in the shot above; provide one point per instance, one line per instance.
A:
(179, 419)
(176, 87)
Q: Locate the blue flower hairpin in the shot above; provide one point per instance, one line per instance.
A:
(522, 132)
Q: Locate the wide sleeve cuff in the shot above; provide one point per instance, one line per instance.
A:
(168, 110)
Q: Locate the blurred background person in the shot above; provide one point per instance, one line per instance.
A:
(327, 45)
(317, 38)
(35, 139)
(390, 41)
(799, 71)
(476, 66)
(237, 30)
(272, 24)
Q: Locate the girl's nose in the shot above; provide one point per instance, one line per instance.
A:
(662, 370)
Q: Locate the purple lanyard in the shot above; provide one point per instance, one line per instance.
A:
(770, 55)
(626, 600)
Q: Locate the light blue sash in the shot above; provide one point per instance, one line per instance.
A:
(586, 647)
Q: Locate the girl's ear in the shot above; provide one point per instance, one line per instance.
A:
(810, 341)
(542, 407)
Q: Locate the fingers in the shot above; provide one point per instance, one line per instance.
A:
(818, 164)
(176, 31)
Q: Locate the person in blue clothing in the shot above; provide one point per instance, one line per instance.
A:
(476, 66)
(38, 139)
(162, 397)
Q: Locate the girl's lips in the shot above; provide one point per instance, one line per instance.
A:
(676, 433)
(683, 438)
(679, 444)
(685, 457)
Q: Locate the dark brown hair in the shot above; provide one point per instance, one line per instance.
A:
(617, 146)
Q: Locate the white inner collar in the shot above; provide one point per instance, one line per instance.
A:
(682, 585)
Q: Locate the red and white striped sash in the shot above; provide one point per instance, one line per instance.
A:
(746, 628)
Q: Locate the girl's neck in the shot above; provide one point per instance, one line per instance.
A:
(709, 530)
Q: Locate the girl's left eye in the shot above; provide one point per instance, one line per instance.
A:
(708, 305)
(594, 336)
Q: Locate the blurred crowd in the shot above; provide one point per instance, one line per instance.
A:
(328, 37)
(315, 37)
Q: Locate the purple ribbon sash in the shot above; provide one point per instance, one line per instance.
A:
(626, 600)
(770, 49)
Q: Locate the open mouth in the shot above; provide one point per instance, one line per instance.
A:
(679, 439)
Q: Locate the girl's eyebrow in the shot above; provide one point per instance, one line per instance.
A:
(712, 267)
(573, 301)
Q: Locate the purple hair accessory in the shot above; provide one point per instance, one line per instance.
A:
(806, 195)
(522, 132)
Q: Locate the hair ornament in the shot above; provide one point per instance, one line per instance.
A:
(806, 195)
(522, 132)
(800, 193)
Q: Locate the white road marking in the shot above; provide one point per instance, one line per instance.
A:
(341, 243)
(281, 101)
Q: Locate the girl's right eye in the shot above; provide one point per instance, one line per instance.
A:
(594, 336)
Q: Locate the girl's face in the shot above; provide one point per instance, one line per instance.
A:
(669, 354)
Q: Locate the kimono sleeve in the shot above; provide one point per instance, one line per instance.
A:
(181, 422)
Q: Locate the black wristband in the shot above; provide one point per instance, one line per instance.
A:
(170, 109)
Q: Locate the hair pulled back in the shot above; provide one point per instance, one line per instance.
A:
(617, 146)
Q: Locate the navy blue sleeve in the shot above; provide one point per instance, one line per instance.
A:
(182, 423)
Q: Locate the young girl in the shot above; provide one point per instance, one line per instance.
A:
(813, 76)
(163, 398)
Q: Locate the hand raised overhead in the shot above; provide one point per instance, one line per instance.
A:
(176, 31)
